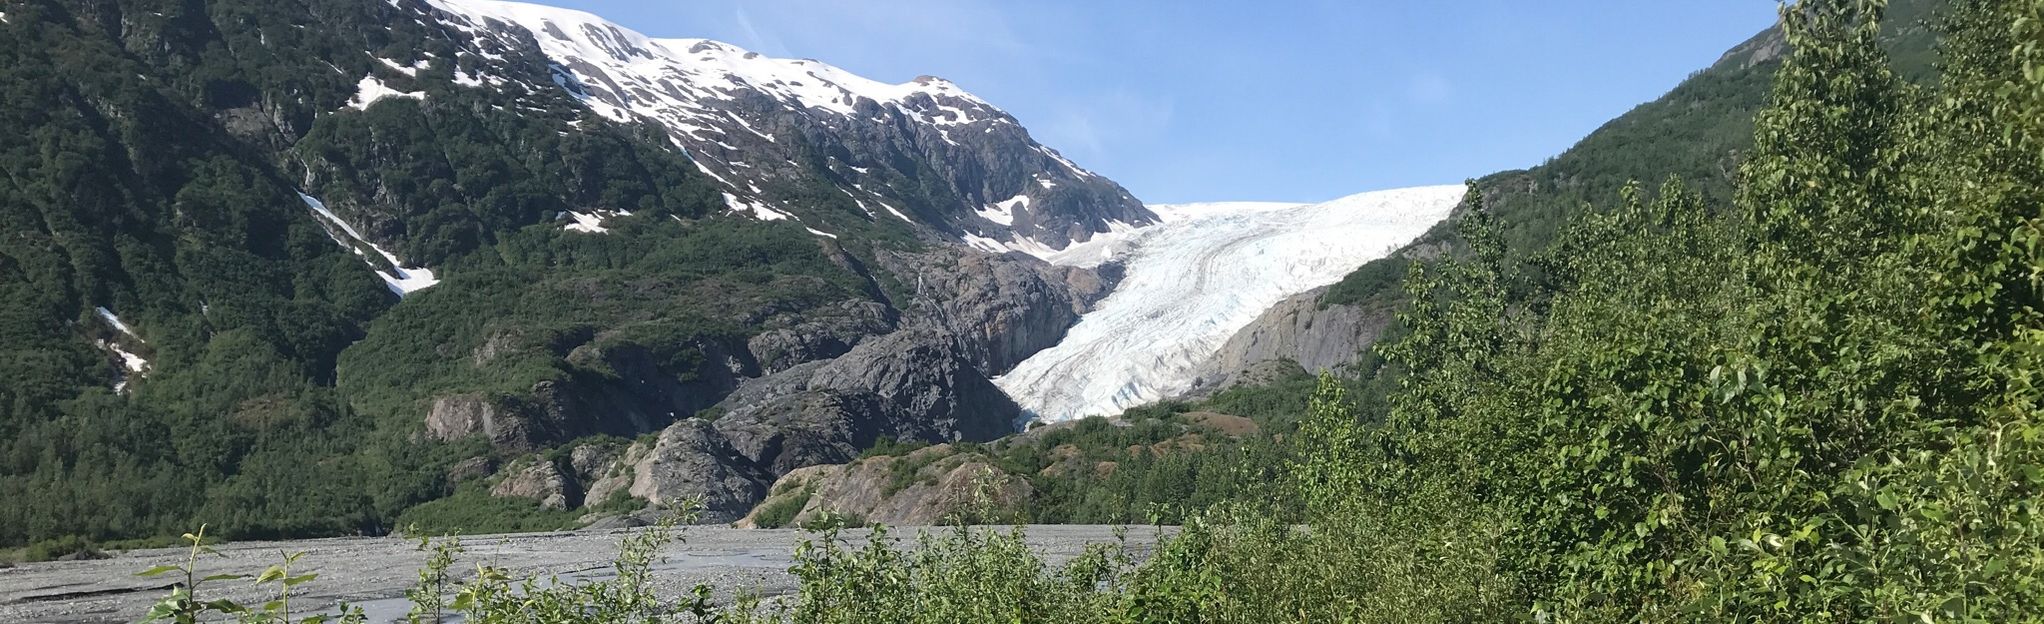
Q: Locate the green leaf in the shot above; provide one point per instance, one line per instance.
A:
(297, 580)
(271, 574)
(226, 606)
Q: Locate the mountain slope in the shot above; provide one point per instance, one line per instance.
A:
(348, 252)
(802, 139)
(1697, 131)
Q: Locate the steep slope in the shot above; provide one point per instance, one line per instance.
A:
(804, 140)
(1190, 284)
(294, 267)
(1697, 131)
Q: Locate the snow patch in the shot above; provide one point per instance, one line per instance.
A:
(592, 222)
(758, 210)
(663, 73)
(135, 365)
(1196, 279)
(1060, 158)
(1003, 212)
(115, 322)
(369, 90)
(408, 70)
(820, 232)
(399, 279)
(985, 244)
(682, 84)
(893, 211)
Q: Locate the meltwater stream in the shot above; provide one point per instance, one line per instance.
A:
(1194, 280)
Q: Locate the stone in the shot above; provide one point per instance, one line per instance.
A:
(692, 462)
(540, 481)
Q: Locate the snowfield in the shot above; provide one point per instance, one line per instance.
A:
(1197, 278)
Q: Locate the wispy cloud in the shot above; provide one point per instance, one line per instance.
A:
(1092, 126)
(754, 39)
(849, 32)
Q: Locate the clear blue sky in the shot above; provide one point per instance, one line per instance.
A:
(1280, 100)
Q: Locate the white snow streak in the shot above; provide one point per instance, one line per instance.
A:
(115, 322)
(592, 222)
(134, 365)
(369, 90)
(1195, 280)
(758, 210)
(399, 279)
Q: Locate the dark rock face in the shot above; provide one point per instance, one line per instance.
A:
(692, 462)
(816, 387)
(819, 334)
(907, 385)
(1001, 309)
(1299, 330)
(910, 384)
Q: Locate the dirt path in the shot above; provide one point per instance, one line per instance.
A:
(375, 572)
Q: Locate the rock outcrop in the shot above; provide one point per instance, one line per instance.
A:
(691, 461)
(1000, 309)
(463, 415)
(539, 480)
(928, 486)
(1301, 330)
(907, 385)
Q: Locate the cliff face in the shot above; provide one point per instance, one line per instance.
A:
(1300, 329)
(917, 373)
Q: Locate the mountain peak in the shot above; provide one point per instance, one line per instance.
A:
(755, 124)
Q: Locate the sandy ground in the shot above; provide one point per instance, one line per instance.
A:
(375, 571)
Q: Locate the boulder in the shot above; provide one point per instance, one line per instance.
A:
(930, 486)
(538, 480)
(464, 415)
(691, 461)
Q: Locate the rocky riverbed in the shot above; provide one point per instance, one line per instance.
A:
(375, 571)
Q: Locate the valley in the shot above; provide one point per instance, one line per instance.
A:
(374, 573)
(311, 275)
(1192, 282)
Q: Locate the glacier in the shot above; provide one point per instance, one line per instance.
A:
(1197, 277)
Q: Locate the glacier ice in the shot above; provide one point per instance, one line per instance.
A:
(1192, 281)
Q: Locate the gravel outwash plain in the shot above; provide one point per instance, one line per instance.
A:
(376, 571)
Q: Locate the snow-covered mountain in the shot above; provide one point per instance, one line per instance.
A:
(1191, 282)
(800, 139)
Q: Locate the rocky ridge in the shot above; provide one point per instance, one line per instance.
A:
(800, 139)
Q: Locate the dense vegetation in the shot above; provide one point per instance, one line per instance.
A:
(151, 156)
(1814, 401)
(1700, 131)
